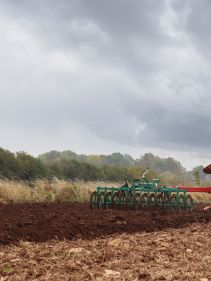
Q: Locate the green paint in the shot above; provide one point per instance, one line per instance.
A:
(139, 195)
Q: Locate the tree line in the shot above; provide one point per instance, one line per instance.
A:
(114, 167)
(23, 166)
(155, 163)
(167, 169)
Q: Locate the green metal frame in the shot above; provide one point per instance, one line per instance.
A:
(141, 194)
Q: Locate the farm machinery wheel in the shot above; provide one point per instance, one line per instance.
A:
(129, 201)
(173, 202)
(152, 200)
(115, 200)
(100, 200)
(136, 201)
(107, 200)
(181, 203)
(93, 200)
(143, 201)
(159, 200)
(122, 200)
(143, 194)
(166, 201)
(189, 202)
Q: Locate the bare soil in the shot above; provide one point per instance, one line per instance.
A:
(67, 241)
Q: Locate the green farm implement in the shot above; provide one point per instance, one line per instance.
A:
(142, 194)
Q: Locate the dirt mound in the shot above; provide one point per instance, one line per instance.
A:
(43, 222)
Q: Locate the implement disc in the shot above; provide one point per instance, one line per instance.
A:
(143, 201)
(93, 200)
(182, 202)
(159, 200)
(166, 201)
(107, 200)
(189, 202)
(100, 199)
(152, 200)
(115, 201)
(122, 200)
(173, 202)
(129, 201)
(136, 200)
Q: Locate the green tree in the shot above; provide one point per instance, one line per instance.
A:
(197, 177)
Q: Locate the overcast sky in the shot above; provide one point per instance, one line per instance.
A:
(102, 76)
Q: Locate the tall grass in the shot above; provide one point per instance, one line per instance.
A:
(201, 197)
(47, 191)
(59, 191)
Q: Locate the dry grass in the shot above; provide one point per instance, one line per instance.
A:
(45, 191)
(165, 255)
(59, 191)
(201, 197)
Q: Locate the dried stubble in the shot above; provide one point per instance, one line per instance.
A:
(48, 191)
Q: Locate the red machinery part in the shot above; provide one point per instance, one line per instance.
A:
(196, 189)
(207, 170)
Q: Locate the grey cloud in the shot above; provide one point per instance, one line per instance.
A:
(195, 20)
(134, 73)
(114, 30)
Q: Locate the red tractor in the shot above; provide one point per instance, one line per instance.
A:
(207, 170)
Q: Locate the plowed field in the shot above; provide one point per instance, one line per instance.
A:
(70, 242)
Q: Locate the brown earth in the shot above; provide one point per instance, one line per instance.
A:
(45, 221)
(67, 241)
